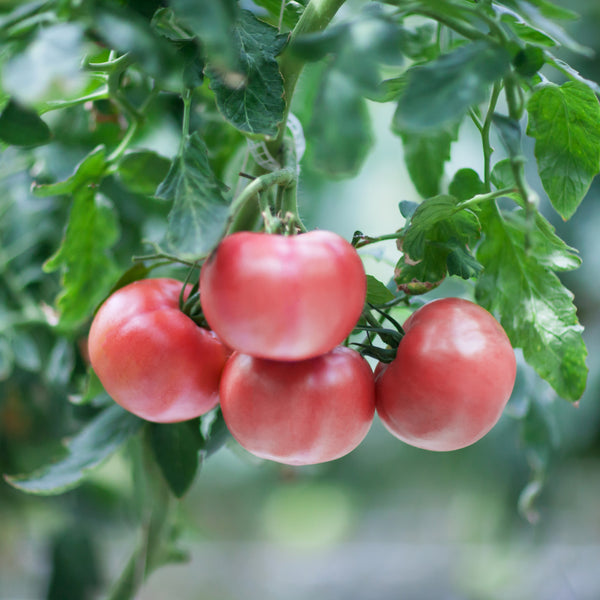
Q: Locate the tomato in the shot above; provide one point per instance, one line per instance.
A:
(283, 297)
(451, 379)
(302, 412)
(152, 359)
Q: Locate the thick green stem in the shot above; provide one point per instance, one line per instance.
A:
(485, 136)
(187, 110)
(316, 16)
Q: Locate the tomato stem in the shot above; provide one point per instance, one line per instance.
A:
(284, 178)
(390, 337)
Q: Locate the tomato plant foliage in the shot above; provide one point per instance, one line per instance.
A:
(155, 129)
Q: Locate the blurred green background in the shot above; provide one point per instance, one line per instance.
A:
(516, 516)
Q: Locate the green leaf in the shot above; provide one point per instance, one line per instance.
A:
(388, 90)
(565, 122)
(176, 447)
(89, 172)
(98, 440)
(539, 16)
(435, 243)
(423, 276)
(553, 11)
(142, 171)
(465, 184)
(340, 113)
(377, 292)
(439, 220)
(535, 309)
(214, 432)
(200, 209)
(460, 261)
(137, 271)
(407, 208)
(92, 229)
(425, 153)
(523, 30)
(214, 23)
(21, 126)
(502, 177)
(252, 99)
(441, 91)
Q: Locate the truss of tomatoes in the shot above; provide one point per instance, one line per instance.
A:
(279, 309)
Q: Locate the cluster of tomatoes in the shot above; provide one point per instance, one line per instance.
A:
(279, 308)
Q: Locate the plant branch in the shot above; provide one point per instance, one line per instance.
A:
(364, 240)
(485, 136)
(101, 93)
(480, 198)
(463, 29)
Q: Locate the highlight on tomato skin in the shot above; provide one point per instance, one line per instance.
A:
(151, 358)
(451, 379)
(301, 412)
(283, 297)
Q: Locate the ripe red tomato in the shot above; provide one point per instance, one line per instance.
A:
(152, 359)
(283, 297)
(302, 412)
(451, 379)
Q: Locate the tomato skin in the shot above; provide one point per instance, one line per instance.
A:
(152, 359)
(451, 379)
(299, 413)
(283, 297)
